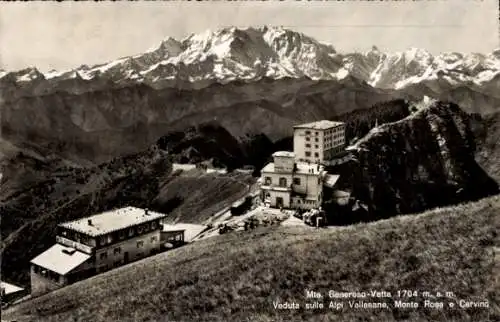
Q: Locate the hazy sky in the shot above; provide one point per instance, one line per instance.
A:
(65, 35)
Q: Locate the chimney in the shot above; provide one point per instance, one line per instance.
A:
(146, 211)
(89, 222)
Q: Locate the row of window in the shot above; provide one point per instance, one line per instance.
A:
(110, 238)
(175, 238)
(308, 154)
(282, 182)
(118, 250)
(315, 146)
(133, 231)
(338, 129)
(307, 202)
(331, 145)
(333, 137)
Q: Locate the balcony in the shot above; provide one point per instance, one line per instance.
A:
(276, 187)
(76, 245)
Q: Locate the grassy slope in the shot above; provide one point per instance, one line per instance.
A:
(196, 193)
(237, 276)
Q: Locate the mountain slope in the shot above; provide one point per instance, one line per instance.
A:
(449, 249)
(422, 161)
(101, 124)
(488, 152)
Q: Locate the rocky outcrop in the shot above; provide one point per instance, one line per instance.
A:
(425, 160)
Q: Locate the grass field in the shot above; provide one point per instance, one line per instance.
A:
(236, 277)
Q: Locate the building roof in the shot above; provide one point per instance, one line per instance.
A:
(112, 220)
(286, 154)
(308, 168)
(10, 288)
(172, 228)
(60, 259)
(300, 168)
(318, 125)
(331, 180)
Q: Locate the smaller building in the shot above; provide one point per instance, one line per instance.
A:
(289, 184)
(10, 292)
(172, 236)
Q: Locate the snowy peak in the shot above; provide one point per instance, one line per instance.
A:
(249, 54)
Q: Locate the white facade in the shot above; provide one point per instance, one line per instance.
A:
(289, 184)
(318, 141)
(95, 244)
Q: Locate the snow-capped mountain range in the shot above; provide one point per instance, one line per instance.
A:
(251, 54)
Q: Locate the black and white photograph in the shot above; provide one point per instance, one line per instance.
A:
(250, 160)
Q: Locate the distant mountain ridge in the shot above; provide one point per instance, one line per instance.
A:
(250, 54)
(251, 81)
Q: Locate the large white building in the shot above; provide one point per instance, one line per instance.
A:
(317, 142)
(290, 184)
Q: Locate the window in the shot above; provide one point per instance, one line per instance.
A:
(140, 229)
(282, 182)
(308, 145)
(308, 154)
(308, 132)
(316, 154)
(104, 255)
(296, 181)
(268, 181)
(121, 235)
(153, 239)
(308, 139)
(316, 139)
(140, 243)
(316, 133)
(316, 146)
(153, 225)
(117, 250)
(131, 232)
